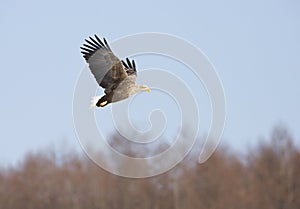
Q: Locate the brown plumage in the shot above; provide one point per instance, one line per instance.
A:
(116, 76)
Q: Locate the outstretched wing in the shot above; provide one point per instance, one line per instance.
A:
(104, 65)
(129, 67)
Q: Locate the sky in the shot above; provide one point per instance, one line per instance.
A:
(254, 46)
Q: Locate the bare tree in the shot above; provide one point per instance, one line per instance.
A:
(269, 178)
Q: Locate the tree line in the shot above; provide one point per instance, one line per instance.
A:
(268, 176)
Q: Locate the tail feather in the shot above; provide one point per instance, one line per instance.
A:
(94, 101)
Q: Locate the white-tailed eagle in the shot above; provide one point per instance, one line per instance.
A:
(116, 76)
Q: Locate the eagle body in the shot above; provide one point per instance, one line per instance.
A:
(117, 77)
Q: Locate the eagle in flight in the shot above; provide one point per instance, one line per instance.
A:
(116, 76)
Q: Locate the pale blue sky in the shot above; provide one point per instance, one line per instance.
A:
(254, 45)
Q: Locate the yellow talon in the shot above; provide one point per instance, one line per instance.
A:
(103, 103)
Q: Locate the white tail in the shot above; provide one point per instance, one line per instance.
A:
(94, 101)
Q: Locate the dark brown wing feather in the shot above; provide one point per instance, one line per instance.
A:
(107, 69)
(129, 67)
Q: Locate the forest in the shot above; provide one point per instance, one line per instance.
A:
(265, 177)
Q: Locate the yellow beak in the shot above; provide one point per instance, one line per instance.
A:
(148, 89)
